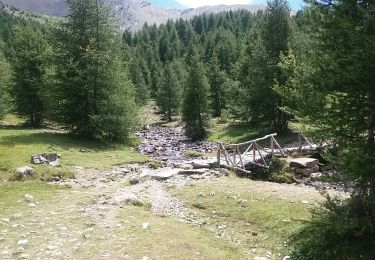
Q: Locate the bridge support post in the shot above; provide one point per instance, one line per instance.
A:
(218, 154)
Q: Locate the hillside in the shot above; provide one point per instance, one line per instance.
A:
(132, 14)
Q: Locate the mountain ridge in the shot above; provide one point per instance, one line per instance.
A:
(131, 14)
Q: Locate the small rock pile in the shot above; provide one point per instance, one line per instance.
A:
(51, 159)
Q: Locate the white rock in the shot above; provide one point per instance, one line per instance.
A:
(52, 248)
(22, 241)
(24, 256)
(145, 225)
(32, 205)
(29, 198)
(286, 257)
(5, 220)
(305, 202)
(17, 216)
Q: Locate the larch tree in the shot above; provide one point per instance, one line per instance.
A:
(259, 67)
(169, 96)
(30, 67)
(217, 79)
(5, 81)
(196, 113)
(94, 92)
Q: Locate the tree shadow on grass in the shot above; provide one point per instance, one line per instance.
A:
(63, 140)
(245, 132)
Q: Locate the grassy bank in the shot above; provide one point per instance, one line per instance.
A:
(17, 144)
(258, 216)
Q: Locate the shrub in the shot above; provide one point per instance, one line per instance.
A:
(339, 229)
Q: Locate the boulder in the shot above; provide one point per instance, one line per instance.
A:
(303, 162)
(306, 171)
(199, 165)
(163, 174)
(25, 171)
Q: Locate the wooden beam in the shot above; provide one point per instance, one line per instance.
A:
(261, 156)
(249, 142)
(247, 150)
(239, 153)
(236, 169)
(278, 146)
(227, 156)
(223, 151)
(307, 140)
(218, 155)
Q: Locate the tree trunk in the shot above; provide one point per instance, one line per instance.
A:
(169, 115)
(370, 135)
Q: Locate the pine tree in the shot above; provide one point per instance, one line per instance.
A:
(334, 86)
(169, 95)
(138, 79)
(276, 35)
(217, 80)
(5, 81)
(332, 90)
(259, 68)
(30, 69)
(196, 112)
(255, 98)
(95, 97)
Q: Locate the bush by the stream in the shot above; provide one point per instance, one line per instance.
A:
(278, 171)
(339, 229)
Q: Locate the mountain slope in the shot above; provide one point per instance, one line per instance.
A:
(132, 14)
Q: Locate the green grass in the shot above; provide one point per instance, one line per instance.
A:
(258, 214)
(17, 144)
(11, 192)
(232, 133)
(166, 238)
(193, 154)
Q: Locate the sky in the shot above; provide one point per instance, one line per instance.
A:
(183, 4)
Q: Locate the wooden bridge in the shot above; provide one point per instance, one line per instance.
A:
(241, 156)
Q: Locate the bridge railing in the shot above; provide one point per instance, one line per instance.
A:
(237, 156)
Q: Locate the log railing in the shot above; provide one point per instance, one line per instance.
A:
(237, 156)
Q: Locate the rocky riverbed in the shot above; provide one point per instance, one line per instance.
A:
(169, 145)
